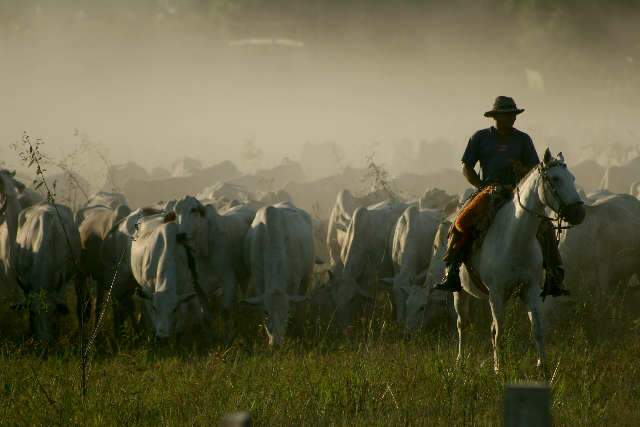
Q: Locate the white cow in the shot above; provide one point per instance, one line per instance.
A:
(411, 250)
(217, 241)
(437, 199)
(635, 189)
(9, 211)
(422, 304)
(279, 252)
(340, 217)
(108, 199)
(366, 255)
(48, 250)
(605, 249)
(160, 265)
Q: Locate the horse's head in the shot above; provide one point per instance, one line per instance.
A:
(558, 190)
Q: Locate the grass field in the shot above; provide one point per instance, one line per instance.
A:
(373, 378)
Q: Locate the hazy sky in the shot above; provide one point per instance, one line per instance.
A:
(158, 92)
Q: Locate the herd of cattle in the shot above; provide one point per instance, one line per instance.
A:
(171, 267)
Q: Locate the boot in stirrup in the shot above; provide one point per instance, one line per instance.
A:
(553, 283)
(451, 280)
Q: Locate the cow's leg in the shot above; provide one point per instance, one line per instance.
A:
(123, 308)
(461, 304)
(497, 312)
(228, 309)
(534, 308)
(603, 279)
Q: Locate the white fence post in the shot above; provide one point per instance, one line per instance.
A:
(237, 419)
(527, 405)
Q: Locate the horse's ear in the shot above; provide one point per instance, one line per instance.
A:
(547, 156)
(561, 157)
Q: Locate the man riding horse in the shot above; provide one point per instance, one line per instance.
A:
(505, 155)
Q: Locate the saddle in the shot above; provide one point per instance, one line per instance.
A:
(474, 220)
(498, 196)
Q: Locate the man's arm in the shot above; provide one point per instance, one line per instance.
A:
(470, 157)
(471, 175)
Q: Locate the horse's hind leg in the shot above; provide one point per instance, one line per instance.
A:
(497, 312)
(461, 304)
(534, 308)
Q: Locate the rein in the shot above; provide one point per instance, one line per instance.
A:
(558, 220)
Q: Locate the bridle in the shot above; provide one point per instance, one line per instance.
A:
(548, 185)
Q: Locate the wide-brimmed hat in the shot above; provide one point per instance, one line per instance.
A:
(504, 104)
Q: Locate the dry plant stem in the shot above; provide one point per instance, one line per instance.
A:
(34, 157)
(73, 178)
(86, 351)
(42, 389)
(379, 177)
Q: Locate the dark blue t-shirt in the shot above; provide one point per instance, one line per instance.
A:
(496, 158)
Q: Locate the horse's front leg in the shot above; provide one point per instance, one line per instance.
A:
(534, 308)
(461, 304)
(497, 312)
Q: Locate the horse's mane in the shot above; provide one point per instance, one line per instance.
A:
(553, 163)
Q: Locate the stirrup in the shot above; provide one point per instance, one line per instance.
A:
(447, 288)
(446, 285)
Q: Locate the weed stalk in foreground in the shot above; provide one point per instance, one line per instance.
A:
(31, 155)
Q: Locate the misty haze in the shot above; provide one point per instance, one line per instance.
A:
(282, 207)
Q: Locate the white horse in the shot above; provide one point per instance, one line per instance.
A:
(510, 258)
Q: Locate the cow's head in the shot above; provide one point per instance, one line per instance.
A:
(425, 306)
(435, 198)
(163, 310)
(277, 310)
(401, 285)
(349, 297)
(193, 219)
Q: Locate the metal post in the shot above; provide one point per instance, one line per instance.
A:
(527, 405)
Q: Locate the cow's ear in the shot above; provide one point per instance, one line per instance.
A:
(184, 298)
(257, 300)
(19, 186)
(141, 294)
(387, 282)
(20, 306)
(297, 298)
(169, 217)
(547, 156)
(406, 290)
(364, 293)
(201, 210)
(420, 278)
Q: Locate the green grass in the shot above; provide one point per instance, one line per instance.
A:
(373, 378)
